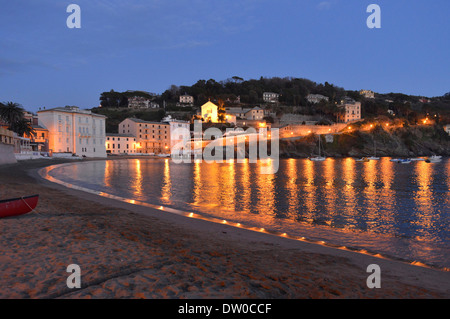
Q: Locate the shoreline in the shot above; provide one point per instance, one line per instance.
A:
(177, 257)
(44, 173)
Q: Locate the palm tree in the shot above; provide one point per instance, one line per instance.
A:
(23, 127)
(11, 113)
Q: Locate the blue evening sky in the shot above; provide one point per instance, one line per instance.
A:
(150, 44)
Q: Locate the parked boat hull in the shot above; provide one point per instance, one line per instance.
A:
(18, 206)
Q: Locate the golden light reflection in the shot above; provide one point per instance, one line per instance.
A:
(108, 174)
(349, 194)
(227, 185)
(137, 181)
(245, 185)
(197, 191)
(310, 190)
(266, 192)
(370, 194)
(330, 188)
(424, 195)
(292, 187)
(387, 196)
(166, 190)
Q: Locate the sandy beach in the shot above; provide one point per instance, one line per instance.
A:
(128, 251)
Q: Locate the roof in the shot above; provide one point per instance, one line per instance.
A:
(136, 120)
(38, 127)
(70, 109)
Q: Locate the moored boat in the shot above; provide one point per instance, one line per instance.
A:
(317, 158)
(364, 159)
(434, 159)
(18, 206)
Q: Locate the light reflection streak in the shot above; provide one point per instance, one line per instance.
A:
(166, 190)
(137, 181)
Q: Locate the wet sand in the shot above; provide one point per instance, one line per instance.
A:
(128, 251)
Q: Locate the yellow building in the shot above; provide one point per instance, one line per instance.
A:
(210, 112)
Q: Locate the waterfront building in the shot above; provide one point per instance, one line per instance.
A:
(76, 131)
(151, 137)
(179, 130)
(121, 144)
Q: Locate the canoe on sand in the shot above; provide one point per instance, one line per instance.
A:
(18, 206)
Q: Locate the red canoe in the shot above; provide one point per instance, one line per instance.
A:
(18, 206)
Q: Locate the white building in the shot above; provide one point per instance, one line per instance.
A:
(186, 99)
(180, 131)
(316, 98)
(118, 144)
(367, 94)
(270, 97)
(75, 131)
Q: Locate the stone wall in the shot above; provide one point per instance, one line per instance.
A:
(7, 154)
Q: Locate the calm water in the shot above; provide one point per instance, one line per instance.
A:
(397, 210)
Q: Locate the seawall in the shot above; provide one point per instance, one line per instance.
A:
(7, 154)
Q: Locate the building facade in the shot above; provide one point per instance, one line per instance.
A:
(71, 130)
(367, 94)
(351, 112)
(270, 97)
(210, 112)
(151, 137)
(186, 99)
(316, 98)
(120, 144)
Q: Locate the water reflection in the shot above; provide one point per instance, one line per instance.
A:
(137, 180)
(424, 198)
(402, 202)
(166, 189)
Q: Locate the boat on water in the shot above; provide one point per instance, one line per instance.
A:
(418, 159)
(18, 206)
(405, 161)
(374, 157)
(434, 159)
(318, 158)
(364, 159)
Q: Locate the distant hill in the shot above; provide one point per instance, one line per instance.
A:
(292, 92)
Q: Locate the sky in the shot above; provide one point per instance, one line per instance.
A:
(151, 44)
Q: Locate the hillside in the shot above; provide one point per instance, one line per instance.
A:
(401, 142)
